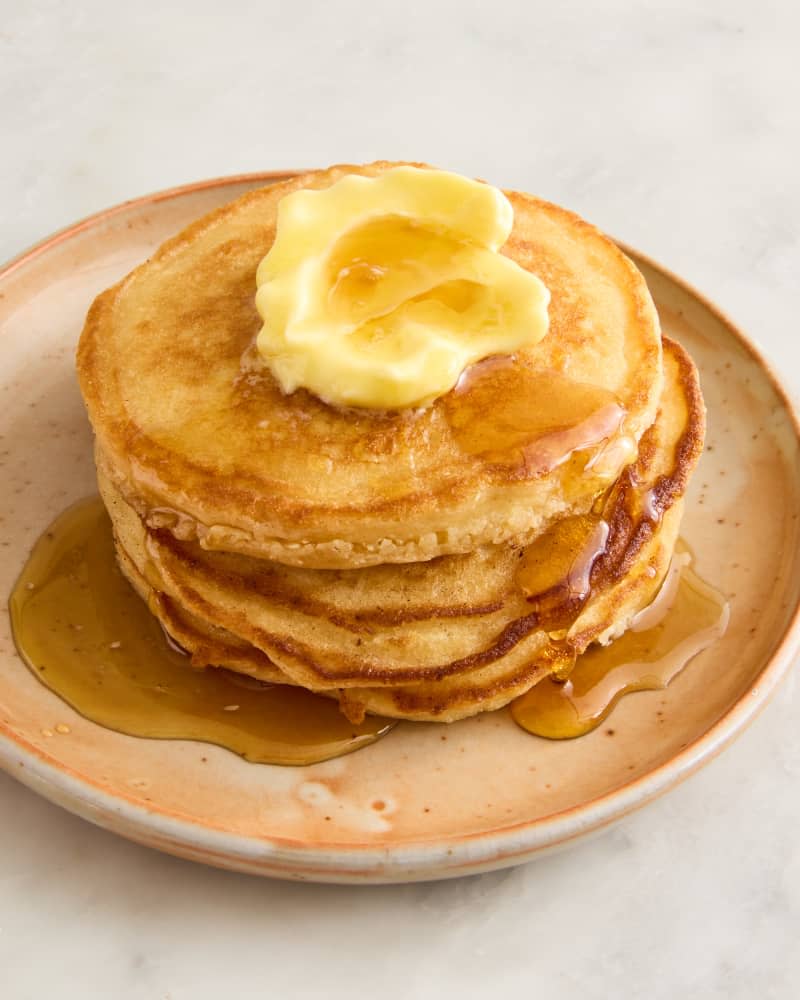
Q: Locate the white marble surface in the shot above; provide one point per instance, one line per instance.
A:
(674, 126)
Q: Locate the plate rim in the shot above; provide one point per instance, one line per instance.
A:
(439, 856)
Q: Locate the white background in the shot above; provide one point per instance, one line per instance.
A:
(674, 126)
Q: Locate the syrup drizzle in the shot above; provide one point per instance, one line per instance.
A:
(555, 570)
(686, 617)
(506, 411)
(86, 634)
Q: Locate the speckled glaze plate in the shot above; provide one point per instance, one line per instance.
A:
(428, 801)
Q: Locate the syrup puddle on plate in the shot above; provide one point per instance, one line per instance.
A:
(686, 617)
(88, 636)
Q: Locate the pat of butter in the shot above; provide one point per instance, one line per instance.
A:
(379, 291)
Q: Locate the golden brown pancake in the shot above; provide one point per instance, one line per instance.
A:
(486, 687)
(206, 644)
(198, 438)
(444, 638)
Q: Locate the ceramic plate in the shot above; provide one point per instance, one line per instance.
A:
(428, 801)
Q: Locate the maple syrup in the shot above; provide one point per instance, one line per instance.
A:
(686, 616)
(507, 411)
(555, 569)
(86, 634)
(375, 267)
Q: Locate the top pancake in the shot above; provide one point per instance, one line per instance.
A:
(200, 439)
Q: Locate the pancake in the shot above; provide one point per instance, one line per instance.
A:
(205, 644)
(440, 639)
(198, 438)
(485, 688)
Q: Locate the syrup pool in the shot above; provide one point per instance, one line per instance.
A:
(89, 637)
(686, 617)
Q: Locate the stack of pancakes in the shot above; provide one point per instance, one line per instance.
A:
(422, 564)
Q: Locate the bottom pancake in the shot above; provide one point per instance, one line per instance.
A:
(205, 644)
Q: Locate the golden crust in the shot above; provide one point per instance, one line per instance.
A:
(198, 438)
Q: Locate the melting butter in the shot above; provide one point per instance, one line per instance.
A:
(86, 634)
(379, 291)
(686, 617)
